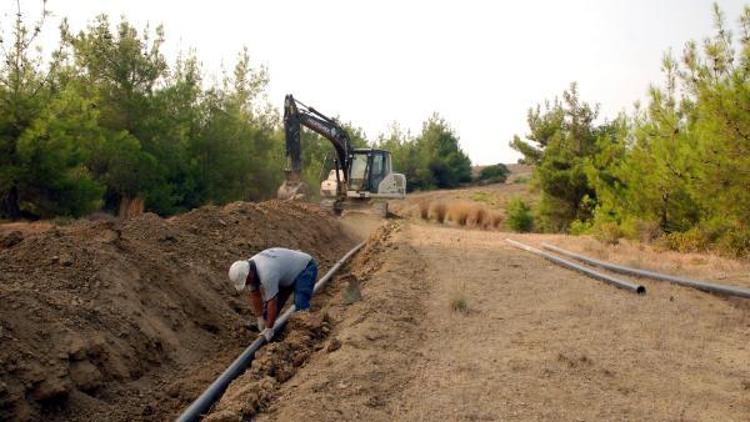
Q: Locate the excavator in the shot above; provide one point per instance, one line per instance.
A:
(361, 176)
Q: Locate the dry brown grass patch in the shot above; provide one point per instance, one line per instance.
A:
(459, 212)
(478, 217)
(424, 210)
(439, 211)
(497, 220)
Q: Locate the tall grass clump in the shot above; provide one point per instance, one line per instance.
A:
(439, 211)
(424, 210)
(478, 217)
(459, 302)
(459, 212)
(497, 220)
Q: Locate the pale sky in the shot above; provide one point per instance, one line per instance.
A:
(479, 64)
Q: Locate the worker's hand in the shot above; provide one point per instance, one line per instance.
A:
(268, 334)
(261, 323)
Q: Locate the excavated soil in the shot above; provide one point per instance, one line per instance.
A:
(110, 320)
(308, 335)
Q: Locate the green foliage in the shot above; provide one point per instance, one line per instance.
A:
(519, 216)
(433, 159)
(484, 197)
(562, 137)
(578, 227)
(107, 118)
(497, 173)
(677, 168)
(608, 232)
(52, 152)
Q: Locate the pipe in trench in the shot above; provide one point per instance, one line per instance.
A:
(213, 393)
(696, 284)
(636, 288)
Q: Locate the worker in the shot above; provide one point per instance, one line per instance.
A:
(270, 277)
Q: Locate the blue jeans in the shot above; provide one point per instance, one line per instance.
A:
(304, 284)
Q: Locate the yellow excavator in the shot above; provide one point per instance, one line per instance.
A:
(361, 176)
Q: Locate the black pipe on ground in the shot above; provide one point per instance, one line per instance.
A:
(213, 393)
(696, 284)
(636, 288)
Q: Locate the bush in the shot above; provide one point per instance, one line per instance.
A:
(519, 217)
(578, 227)
(497, 173)
(641, 230)
(608, 232)
(693, 240)
(735, 243)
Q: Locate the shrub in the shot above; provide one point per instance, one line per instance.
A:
(522, 180)
(608, 232)
(439, 211)
(735, 243)
(519, 217)
(693, 240)
(637, 229)
(497, 173)
(578, 227)
(459, 303)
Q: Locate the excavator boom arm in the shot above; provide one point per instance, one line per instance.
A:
(296, 115)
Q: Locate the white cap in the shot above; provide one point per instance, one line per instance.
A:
(238, 274)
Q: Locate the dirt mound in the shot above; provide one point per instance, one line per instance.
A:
(110, 318)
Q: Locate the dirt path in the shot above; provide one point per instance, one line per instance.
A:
(538, 343)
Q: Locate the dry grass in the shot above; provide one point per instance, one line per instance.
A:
(653, 257)
(478, 217)
(497, 220)
(439, 211)
(424, 210)
(459, 212)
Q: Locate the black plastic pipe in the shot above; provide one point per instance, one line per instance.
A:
(696, 284)
(213, 393)
(636, 288)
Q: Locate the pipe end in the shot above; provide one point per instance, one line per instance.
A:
(640, 290)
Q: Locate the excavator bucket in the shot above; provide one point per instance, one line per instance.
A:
(293, 189)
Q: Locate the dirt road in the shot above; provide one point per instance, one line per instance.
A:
(537, 343)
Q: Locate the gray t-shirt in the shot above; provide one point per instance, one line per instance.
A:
(278, 267)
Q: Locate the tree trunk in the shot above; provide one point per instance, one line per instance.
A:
(9, 204)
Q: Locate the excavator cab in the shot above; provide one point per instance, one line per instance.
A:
(368, 169)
